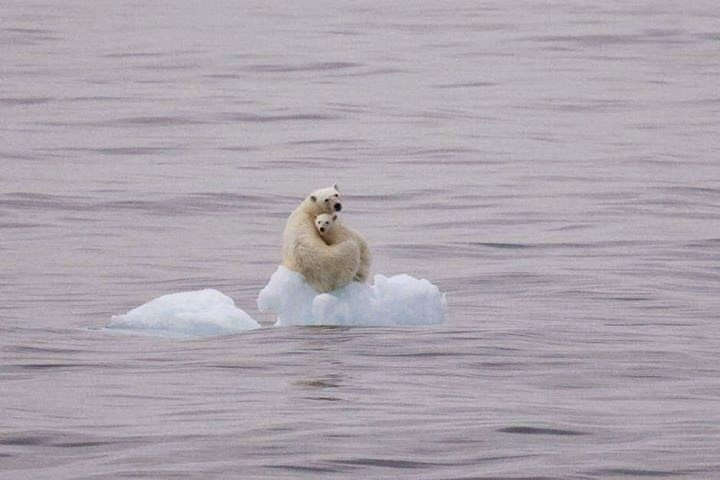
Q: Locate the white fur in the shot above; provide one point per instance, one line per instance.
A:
(333, 231)
(325, 267)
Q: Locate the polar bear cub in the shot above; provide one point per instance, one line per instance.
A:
(333, 232)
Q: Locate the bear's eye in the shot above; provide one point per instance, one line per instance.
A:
(327, 199)
(337, 195)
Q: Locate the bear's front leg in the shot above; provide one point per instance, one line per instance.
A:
(327, 267)
(342, 264)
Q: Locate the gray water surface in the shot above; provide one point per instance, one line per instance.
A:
(552, 166)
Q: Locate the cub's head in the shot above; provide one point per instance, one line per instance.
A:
(325, 222)
(326, 200)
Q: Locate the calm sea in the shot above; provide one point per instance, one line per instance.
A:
(553, 166)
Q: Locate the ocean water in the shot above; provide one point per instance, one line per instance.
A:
(552, 166)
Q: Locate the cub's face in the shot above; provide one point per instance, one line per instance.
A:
(327, 199)
(324, 223)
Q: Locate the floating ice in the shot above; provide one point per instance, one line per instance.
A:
(397, 300)
(187, 314)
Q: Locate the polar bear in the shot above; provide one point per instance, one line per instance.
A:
(325, 267)
(333, 231)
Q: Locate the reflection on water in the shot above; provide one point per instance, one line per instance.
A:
(553, 167)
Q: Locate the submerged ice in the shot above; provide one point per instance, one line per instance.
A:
(186, 314)
(396, 300)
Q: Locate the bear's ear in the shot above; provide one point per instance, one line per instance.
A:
(336, 187)
(312, 198)
(334, 217)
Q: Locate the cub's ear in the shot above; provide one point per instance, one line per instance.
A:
(313, 198)
(334, 217)
(336, 187)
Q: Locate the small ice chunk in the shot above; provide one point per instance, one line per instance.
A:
(198, 313)
(397, 300)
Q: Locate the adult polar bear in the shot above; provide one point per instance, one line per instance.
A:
(325, 267)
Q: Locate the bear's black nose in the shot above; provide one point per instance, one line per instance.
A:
(322, 229)
(338, 207)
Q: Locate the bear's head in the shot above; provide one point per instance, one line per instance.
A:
(326, 200)
(325, 222)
